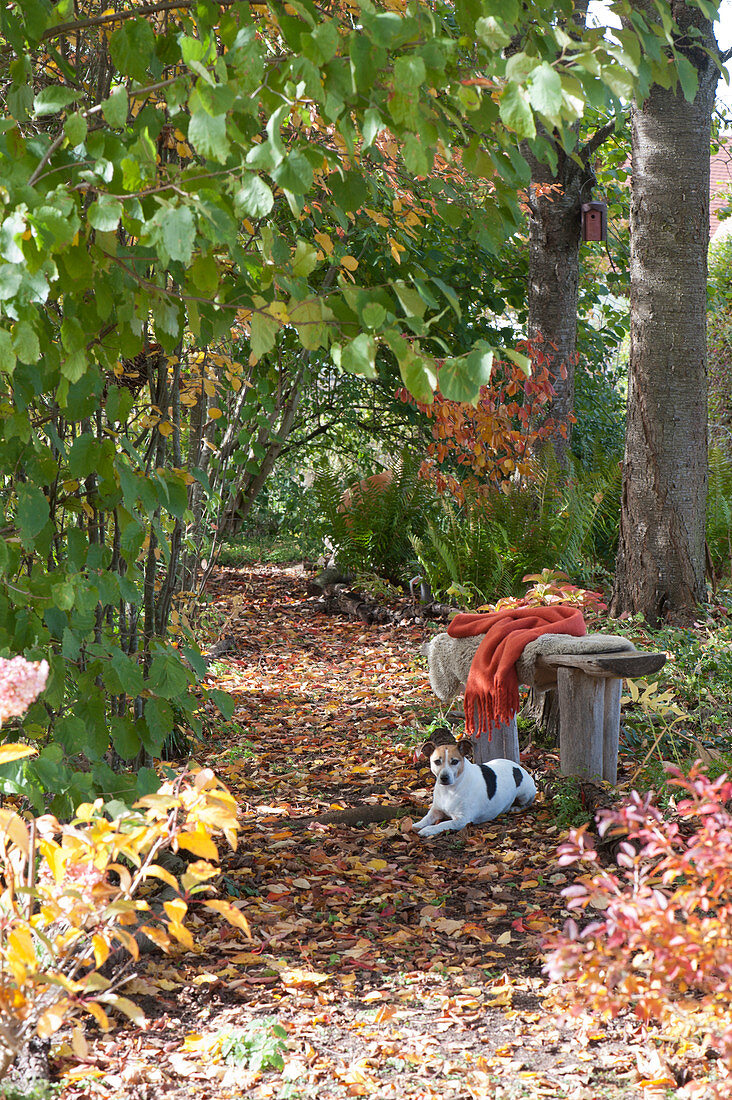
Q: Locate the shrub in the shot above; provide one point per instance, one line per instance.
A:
(663, 945)
(70, 898)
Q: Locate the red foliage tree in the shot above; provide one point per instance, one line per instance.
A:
(489, 445)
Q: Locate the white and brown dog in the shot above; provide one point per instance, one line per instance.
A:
(466, 792)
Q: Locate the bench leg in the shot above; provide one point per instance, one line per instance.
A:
(581, 723)
(611, 729)
(503, 745)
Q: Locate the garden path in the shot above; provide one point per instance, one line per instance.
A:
(381, 965)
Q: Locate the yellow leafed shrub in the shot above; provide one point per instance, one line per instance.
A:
(70, 897)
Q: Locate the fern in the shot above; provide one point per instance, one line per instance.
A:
(719, 512)
(487, 547)
(373, 534)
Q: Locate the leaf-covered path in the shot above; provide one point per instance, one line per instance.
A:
(395, 967)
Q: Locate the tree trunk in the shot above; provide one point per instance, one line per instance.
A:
(660, 565)
(554, 242)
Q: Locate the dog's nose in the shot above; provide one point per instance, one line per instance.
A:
(445, 780)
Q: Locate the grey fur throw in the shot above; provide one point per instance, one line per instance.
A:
(449, 659)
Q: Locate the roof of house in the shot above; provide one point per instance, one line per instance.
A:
(720, 187)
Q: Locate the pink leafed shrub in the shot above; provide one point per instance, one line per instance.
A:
(662, 945)
(21, 682)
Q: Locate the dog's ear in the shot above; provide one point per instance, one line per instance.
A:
(465, 748)
(427, 749)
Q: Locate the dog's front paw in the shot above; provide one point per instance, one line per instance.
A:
(428, 830)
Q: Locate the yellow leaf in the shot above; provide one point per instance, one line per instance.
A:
(128, 1007)
(52, 1019)
(14, 828)
(79, 1043)
(165, 428)
(98, 1013)
(504, 938)
(181, 934)
(349, 262)
(325, 242)
(298, 978)
(101, 950)
(215, 413)
(231, 914)
(159, 872)
(200, 843)
(20, 947)
(15, 752)
(377, 864)
(158, 937)
(175, 909)
(198, 872)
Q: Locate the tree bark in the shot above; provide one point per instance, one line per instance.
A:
(554, 241)
(660, 565)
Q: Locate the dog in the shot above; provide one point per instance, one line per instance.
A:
(466, 792)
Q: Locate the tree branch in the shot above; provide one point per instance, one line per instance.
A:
(598, 138)
(117, 16)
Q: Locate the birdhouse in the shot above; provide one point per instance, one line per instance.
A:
(594, 221)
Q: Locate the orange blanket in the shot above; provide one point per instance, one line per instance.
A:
(491, 693)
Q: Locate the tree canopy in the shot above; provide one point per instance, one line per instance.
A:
(174, 170)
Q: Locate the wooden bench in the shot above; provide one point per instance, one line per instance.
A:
(589, 690)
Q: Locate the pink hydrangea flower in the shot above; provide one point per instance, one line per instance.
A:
(21, 682)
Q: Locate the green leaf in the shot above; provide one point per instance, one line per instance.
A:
(105, 213)
(207, 135)
(409, 73)
(410, 299)
(545, 91)
(168, 677)
(11, 276)
(294, 174)
(125, 737)
(225, 702)
(522, 361)
(128, 672)
(83, 455)
(492, 33)
(7, 354)
(461, 379)
(204, 273)
(115, 109)
(373, 315)
(157, 725)
(688, 76)
(357, 357)
(415, 155)
(75, 129)
(372, 126)
(131, 48)
(53, 99)
(70, 731)
(64, 595)
(178, 232)
(25, 342)
(32, 514)
(264, 334)
(418, 373)
(515, 111)
(305, 259)
(307, 317)
(254, 199)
